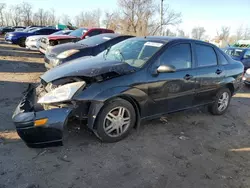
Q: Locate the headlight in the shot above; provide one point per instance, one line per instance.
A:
(248, 71)
(67, 53)
(10, 35)
(55, 62)
(62, 93)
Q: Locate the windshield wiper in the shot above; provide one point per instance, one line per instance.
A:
(105, 53)
(120, 53)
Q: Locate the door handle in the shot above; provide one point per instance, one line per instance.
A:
(188, 77)
(218, 71)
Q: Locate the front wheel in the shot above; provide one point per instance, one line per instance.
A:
(21, 42)
(222, 101)
(115, 120)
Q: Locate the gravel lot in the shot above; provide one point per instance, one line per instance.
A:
(190, 149)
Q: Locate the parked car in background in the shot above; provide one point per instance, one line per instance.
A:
(4, 30)
(20, 37)
(32, 42)
(246, 77)
(87, 47)
(75, 36)
(135, 80)
(240, 54)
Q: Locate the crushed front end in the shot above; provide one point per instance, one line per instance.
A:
(40, 125)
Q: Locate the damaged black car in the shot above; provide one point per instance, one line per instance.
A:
(135, 80)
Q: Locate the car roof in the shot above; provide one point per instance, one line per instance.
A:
(166, 39)
(111, 35)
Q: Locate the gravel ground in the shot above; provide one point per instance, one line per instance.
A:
(188, 149)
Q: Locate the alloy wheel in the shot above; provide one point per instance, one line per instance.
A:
(223, 101)
(117, 121)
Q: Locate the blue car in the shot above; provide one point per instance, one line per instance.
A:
(20, 37)
(240, 54)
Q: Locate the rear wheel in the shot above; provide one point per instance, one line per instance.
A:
(221, 103)
(115, 120)
(21, 42)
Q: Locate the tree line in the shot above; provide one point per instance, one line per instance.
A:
(135, 17)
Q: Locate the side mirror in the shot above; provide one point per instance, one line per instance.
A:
(166, 69)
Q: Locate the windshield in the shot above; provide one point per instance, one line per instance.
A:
(134, 52)
(95, 40)
(234, 52)
(78, 32)
(31, 30)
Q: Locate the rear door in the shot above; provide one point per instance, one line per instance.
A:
(209, 73)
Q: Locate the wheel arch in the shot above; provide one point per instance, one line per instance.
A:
(230, 86)
(96, 108)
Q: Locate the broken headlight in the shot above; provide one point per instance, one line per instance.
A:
(67, 53)
(62, 93)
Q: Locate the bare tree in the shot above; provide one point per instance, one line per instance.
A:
(88, 19)
(198, 33)
(181, 33)
(136, 15)
(239, 33)
(41, 16)
(170, 18)
(112, 21)
(2, 7)
(51, 17)
(26, 13)
(169, 33)
(246, 34)
(8, 17)
(65, 19)
(16, 15)
(223, 34)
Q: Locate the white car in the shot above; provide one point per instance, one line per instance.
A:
(32, 41)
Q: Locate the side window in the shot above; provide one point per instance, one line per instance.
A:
(247, 54)
(178, 56)
(95, 32)
(205, 55)
(221, 57)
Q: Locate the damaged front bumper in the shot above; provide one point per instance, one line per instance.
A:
(29, 111)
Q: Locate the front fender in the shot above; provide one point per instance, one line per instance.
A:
(137, 95)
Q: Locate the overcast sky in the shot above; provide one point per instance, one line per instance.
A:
(210, 14)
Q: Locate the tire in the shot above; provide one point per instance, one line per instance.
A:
(21, 42)
(215, 107)
(103, 124)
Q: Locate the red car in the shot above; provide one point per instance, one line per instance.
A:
(74, 36)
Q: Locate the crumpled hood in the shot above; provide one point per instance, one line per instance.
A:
(87, 67)
(64, 47)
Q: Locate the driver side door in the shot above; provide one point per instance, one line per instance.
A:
(173, 91)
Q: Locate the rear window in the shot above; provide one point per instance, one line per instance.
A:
(205, 55)
(78, 32)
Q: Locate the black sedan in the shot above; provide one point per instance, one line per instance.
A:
(86, 47)
(137, 79)
(4, 30)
